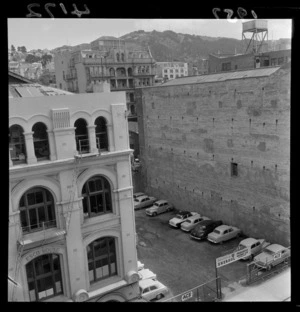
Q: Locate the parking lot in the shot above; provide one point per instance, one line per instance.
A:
(179, 262)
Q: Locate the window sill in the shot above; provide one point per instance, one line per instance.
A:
(59, 298)
(35, 237)
(99, 219)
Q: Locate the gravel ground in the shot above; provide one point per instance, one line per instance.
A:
(179, 262)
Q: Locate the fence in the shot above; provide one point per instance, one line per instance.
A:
(207, 292)
(255, 273)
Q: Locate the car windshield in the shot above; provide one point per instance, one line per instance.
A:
(217, 232)
(136, 200)
(179, 216)
(241, 246)
(156, 204)
(188, 221)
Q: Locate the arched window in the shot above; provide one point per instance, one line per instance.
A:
(44, 277)
(101, 134)
(122, 57)
(40, 141)
(118, 57)
(129, 70)
(37, 210)
(81, 136)
(17, 145)
(96, 197)
(112, 72)
(102, 260)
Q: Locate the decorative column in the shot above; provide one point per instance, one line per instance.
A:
(31, 158)
(92, 139)
(51, 145)
(111, 143)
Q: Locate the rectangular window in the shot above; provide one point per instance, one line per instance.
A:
(234, 169)
(273, 61)
(280, 60)
(226, 66)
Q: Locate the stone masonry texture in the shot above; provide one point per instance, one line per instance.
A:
(190, 134)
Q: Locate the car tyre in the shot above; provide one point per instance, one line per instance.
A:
(154, 214)
(159, 296)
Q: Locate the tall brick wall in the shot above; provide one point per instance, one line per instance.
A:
(190, 134)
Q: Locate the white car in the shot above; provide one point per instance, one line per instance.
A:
(151, 289)
(223, 233)
(146, 274)
(191, 222)
(158, 207)
(138, 194)
(180, 217)
(271, 256)
(143, 202)
(255, 245)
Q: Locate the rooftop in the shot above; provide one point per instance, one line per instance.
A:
(275, 247)
(33, 90)
(224, 76)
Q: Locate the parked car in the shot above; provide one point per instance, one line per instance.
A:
(191, 222)
(152, 289)
(143, 202)
(138, 194)
(271, 256)
(203, 228)
(158, 207)
(223, 233)
(256, 246)
(180, 217)
(146, 274)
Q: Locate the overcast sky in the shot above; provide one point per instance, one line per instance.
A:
(52, 33)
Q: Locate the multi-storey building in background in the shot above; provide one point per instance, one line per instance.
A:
(123, 64)
(219, 144)
(258, 51)
(171, 70)
(71, 219)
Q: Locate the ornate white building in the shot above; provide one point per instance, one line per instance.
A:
(71, 217)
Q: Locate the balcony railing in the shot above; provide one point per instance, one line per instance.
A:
(44, 225)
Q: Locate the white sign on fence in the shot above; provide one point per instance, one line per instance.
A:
(221, 261)
(187, 296)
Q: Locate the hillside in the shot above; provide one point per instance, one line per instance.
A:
(172, 46)
(168, 45)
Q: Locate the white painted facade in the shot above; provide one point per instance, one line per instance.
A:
(171, 70)
(63, 176)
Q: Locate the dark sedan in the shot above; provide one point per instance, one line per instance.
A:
(203, 228)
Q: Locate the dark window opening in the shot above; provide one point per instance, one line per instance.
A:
(37, 210)
(101, 134)
(40, 141)
(81, 136)
(226, 66)
(44, 277)
(102, 260)
(96, 197)
(234, 169)
(17, 145)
